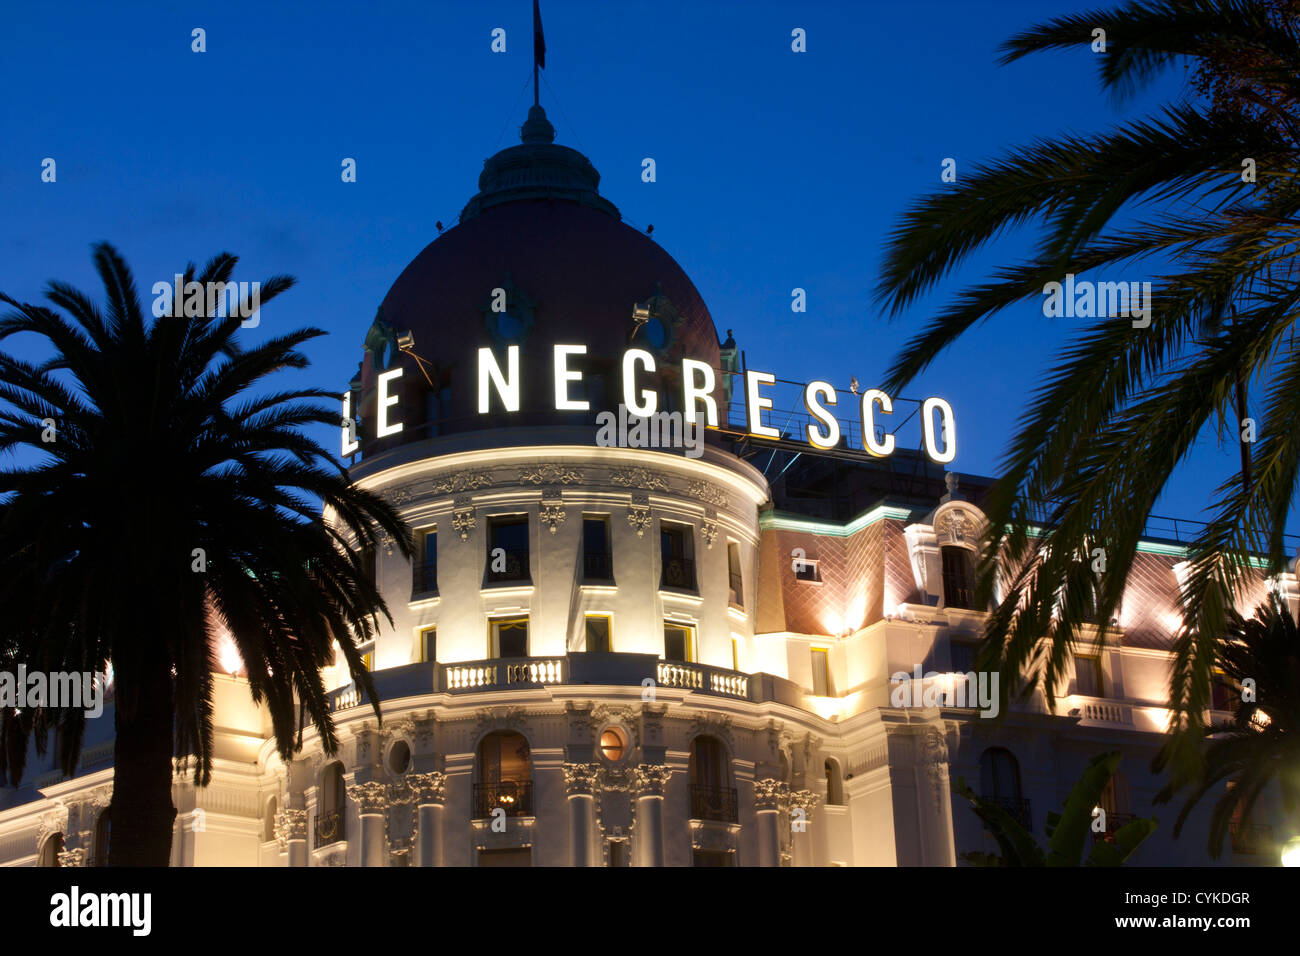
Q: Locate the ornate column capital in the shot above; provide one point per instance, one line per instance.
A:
(580, 778)
(428, 788)
(770, 794)
(290, 825)
(650, 779)
(75, 857)
(804, 800)
(372, 797)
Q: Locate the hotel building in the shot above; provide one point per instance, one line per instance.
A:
(606, 656)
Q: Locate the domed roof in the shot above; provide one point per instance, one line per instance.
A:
(539, 259)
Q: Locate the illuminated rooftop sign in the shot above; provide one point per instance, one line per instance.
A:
(938, 432)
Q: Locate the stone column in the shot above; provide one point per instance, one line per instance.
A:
(802, 805)
(430, 791)
(580, 786)
(769, 795)
(372, 800)
(291, 832)
(650, 780)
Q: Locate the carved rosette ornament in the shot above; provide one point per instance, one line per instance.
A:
(75, 857)
(371, 797)
(551, 516)
(639, 518)
(650, 779)
(290, 825)
(770, 794)
(464, 522)
(580, 778)
(428, 788)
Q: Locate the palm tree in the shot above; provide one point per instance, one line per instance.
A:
(1068, 832)
(1262, 743)
(1124, 405)
(168, 504)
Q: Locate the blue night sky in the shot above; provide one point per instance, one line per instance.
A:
(775, 170)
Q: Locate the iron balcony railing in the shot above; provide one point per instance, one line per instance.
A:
(1016, 807)
(679, 573)
(1251, 839)
(330, 827)
(515, 798)
(713, 803)
(513, 566)
(598, 567)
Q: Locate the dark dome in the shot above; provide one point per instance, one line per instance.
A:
(572, 273)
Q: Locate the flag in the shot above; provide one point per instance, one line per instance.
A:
(539, 39)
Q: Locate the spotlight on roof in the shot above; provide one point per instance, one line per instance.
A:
(405, 341)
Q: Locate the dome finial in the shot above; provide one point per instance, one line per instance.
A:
(537, 128)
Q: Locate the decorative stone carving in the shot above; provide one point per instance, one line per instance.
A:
(549, 473)
(371, 797)
(427, 788)
(464, 521)
(709, 529)
(499, 718)
(714, 725)
(804, 800)
(580, 778)
(650, 779)
(935, 751)
(642, 478)
(399, 496)
(401, 729)
(551, 516)
(386, 542)
(706, 491)
(461, 481)
(639, 518)
(711, 835)
(75, 857)
(770, 794)
(290, 825)
(956, 526)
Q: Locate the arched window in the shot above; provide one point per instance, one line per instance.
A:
(712, 795)
(51, 849)
(834, 784)
(268, 820)
(1000, 783)
(505, 775)
(958, 577)
(331, 808)
(103, 837)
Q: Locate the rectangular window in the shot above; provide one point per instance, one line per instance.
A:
(963, 657)
(679, 643)
(425, 570)
(597, 556)
(598, 634)
(806, 570)
(737, 586)
(618, 853)
(735, 654)
(368, 655)
(507, 557)
(1087, 672)
(510, 637)
(675, 545)
(821, 672)
(428, 644)
(958, 578)
(1224, 695)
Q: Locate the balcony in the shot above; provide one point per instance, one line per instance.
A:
(514, 567)
(503, 672)
(1251, 839)
(698, 677)
(330, 828)
(598, 567)
(1017, 808)
(516, 799)
(713, 803)
(679, 574)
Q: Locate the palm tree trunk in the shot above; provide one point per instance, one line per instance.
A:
(1245, 449)
(142, 810)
